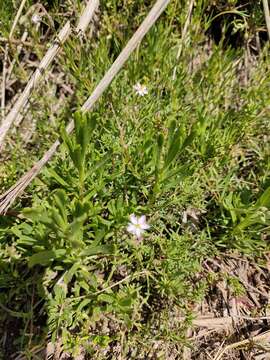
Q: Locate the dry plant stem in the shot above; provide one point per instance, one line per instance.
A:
(185, 29)
(22, 100)
(267, 16)
(4, 75)
(87, 15)
(3, 99)
(255, 341)
(44, 64)
(19, 12)
(10, 196)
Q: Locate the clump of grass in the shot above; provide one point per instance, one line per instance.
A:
(191, 155)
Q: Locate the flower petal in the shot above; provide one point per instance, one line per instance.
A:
(145, 226)
(132, 229)
(133, 218)
(142, 220)
(137, 87)
(138, 232)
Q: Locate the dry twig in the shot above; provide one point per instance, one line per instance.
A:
(267, 16)
(3, 98)
(10, 196)
(44, 64)
(255, 341)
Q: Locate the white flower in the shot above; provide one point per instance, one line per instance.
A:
(140, 89)
(137, 225)
(36, 19)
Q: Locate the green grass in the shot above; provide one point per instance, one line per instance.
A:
(70, 272)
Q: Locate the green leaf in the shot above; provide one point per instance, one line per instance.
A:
(58, 220)
(52, 173)
(75, 230)
(67, 140)
(70, 273)
(44, 258)
(264, 199)
(174, 148)
(106, 298)
(17, 313)
(26, 240)
(98, 249)
(60, 198)
(84, 303)
(172, 128)
(189, 139)
(37, 215)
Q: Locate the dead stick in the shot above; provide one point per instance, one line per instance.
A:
(11, 195)
(255, 341)
(3, 98)
(22, 100)
(44, 64)
(19, 12)
(4, 76)
(267, 16)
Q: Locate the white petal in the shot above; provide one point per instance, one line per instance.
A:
(133, 218)
(132, 229)
(137, 87)
(145, 226)
(142, 220)
(138, 232)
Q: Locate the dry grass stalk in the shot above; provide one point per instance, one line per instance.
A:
(17, 17)
(267, 16)
(256, 341)
(4, 75)
(32, 83)
(11, 195)
(86, 16)
(44, 64)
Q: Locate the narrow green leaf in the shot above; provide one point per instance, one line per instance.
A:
(173, 149)
(60, 198)
(45, 257)
(264, 199)
(58, 178)
(98, 249)
(83, 304)
(106, 298)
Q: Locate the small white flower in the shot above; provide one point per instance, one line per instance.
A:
(36, 19)
(141, 90)
(137, 225)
